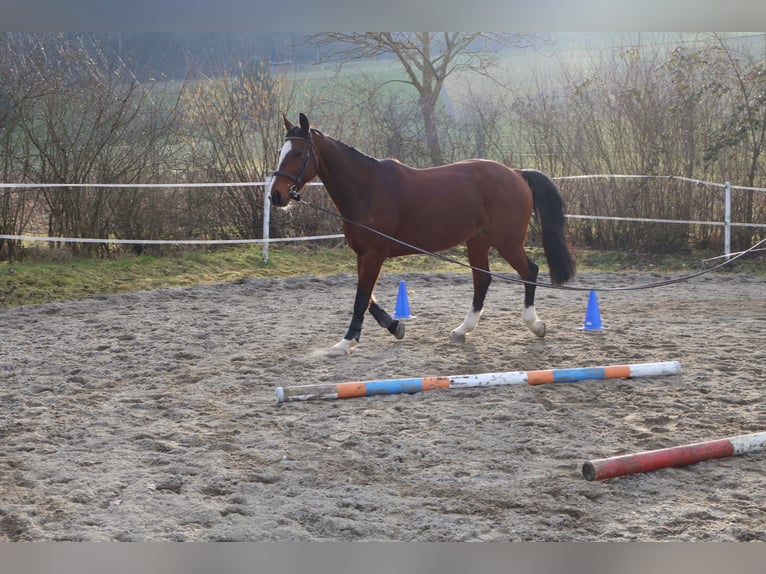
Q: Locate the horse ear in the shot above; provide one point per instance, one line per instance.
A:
(288, 123)
(304, 123)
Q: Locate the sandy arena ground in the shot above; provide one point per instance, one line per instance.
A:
(152, 416)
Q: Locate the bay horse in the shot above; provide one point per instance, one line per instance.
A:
(479, 202)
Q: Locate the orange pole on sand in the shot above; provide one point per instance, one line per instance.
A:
(420, 384)
(673, 456)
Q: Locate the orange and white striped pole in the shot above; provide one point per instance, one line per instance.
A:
(417, 385)
(674, 456)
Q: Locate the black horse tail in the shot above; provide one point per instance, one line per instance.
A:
(549, 207)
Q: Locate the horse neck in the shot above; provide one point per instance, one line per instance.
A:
(344, 173)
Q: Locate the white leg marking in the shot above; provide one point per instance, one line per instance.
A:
(344, 347)
(533, 321)
(467, 326)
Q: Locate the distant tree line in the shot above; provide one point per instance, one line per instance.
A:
(86, 109)
(177, 55)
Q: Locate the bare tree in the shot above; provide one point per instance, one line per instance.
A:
(16, 205)
(428, 59)
(237, 131)
(84, 121)
(745, 123)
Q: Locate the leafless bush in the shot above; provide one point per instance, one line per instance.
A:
(71, 114)
(84, 120)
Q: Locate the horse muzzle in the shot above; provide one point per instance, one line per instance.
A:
(279, 199)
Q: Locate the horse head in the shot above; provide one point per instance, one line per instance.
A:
(297, 163)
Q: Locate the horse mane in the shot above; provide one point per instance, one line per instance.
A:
(350, 148)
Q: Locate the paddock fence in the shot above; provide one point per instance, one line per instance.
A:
(592, 202)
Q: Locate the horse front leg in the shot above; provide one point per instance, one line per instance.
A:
(394, 326)
(368, 269)
(351, 340)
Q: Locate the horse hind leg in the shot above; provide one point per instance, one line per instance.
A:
(478, 257)
(529, 315)
(528, 271)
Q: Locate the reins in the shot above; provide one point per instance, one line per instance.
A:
(296, 197)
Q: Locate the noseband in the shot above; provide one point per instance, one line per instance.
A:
(298, 179)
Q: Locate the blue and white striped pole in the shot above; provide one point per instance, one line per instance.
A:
(417, 385)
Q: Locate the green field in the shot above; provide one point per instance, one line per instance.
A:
(32, 283)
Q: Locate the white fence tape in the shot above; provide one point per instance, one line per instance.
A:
(267, 240)
(131, 185)
(167, 241)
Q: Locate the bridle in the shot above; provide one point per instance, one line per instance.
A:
(298, 178)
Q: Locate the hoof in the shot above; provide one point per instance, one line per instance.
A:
(344, 347)
(538, 329)
(399, 330)
(456, 337)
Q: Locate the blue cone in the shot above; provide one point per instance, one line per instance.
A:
(402, 310)
(592, 314)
